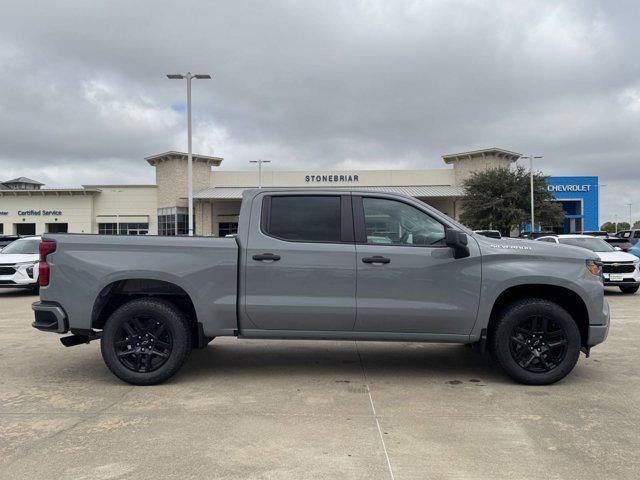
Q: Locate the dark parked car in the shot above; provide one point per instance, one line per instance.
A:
(621, 243)
(633, 236)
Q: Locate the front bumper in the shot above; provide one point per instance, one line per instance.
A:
(598, 333)
(627, 279)
(50, 317)
(19, 275)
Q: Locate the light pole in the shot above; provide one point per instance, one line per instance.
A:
(531, 157)
(188, 76)
(629, 205)
(259, 162)
(600, 185)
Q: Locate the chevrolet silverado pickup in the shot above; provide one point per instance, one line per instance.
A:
(323, 264)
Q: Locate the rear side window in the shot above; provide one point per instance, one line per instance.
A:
(636, 234)
(304, 218)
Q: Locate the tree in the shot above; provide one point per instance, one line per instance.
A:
(623, 226)
(636, 225)
(500, 198)
(608, 227)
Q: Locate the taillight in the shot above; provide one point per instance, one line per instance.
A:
(43, 269)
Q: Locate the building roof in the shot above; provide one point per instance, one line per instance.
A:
(48, 191)
(494, 152)
(173, 155)
(22, 180)
(425, 191)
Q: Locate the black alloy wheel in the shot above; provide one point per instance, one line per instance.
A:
(146, 341)
(143, 343)
(535, 341)
(538, 344)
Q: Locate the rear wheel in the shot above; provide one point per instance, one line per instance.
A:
(629, 289)
(146, 341)
(536, 342)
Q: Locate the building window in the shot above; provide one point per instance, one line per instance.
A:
(174, 221)
(123, 228)
(107, 228)
(57, 227)
(227, 228)
(134, 228)
(1, 228)
(25, 228)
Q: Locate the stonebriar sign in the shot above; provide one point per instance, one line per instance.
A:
(331, 178)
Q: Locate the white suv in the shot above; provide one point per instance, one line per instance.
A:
(19, 263)
(619, 269)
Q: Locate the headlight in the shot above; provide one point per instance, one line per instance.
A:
(595, 267)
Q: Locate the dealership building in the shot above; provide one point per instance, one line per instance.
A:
(27, 207)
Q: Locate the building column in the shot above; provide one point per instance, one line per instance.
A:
(203, 218)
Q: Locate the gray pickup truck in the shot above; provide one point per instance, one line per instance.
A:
(323, 264)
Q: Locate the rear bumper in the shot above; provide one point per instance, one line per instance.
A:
(607, 283)
(50, 317)
(598, 333)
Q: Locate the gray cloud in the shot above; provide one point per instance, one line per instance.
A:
(368, 84)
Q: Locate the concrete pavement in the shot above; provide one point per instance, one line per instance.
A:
(305, 410)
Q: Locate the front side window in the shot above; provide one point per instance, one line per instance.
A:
(389, 222)
(636, 234)
(304, 218)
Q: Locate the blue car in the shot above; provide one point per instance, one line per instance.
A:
(635, 250)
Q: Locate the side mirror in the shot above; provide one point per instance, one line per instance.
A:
(457, 240)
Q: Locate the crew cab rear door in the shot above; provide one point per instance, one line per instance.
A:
(408, 280)
(300, 263)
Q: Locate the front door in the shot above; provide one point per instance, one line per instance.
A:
(301, 264)
(408, 280)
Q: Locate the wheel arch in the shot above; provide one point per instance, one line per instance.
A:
(565, 297)
(121, 291)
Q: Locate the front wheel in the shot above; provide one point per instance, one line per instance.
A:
(146, 341)
(535, 341)
(630, 289)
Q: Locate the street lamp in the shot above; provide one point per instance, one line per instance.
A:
(629, 205)
(531, 157)
(600, 185)
(188, 76)
(259, 162)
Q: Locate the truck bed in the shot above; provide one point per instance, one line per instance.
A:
(84, 266)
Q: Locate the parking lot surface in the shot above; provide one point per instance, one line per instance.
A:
(310, 410)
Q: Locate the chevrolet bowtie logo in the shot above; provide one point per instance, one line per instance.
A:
(615, 264)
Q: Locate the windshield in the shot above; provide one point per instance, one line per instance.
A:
(23, 246)
(593, 244)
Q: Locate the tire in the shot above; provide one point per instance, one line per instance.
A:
(146, 341)
(535, 341)
(629, 289)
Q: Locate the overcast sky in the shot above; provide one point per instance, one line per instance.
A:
(321, 84)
